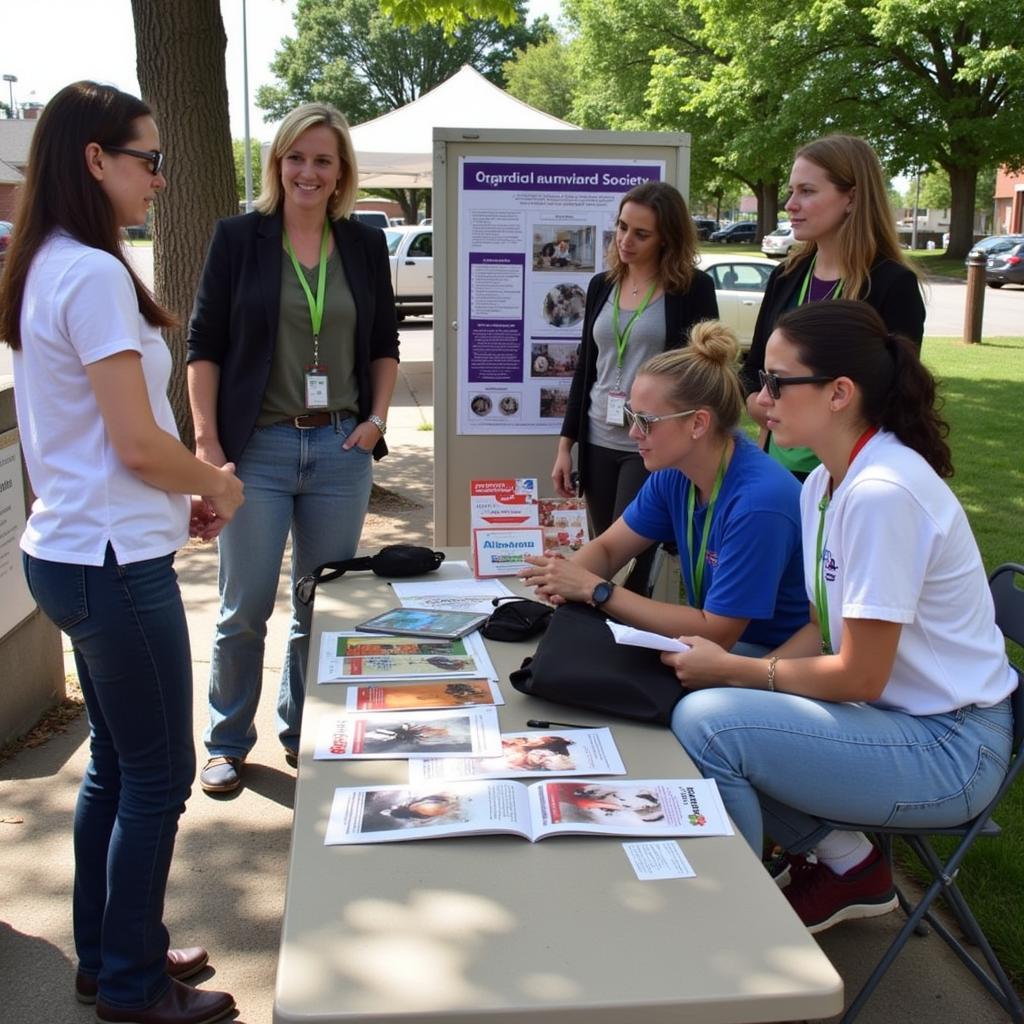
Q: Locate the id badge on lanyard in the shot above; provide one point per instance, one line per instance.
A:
(317, 396)
(616, 411)
(615, 415)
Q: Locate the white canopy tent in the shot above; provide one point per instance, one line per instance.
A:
(396, 149)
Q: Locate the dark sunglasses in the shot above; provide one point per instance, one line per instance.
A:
(153, 157)
(644, 421)
(774, 383)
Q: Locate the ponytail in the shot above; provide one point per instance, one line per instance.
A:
(847, 338)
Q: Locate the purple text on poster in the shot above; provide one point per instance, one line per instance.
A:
(498, 177)
(496, 343)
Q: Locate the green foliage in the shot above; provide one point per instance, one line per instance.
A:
(351, 54)
(449, 14)
(238, 149)
(543, 76)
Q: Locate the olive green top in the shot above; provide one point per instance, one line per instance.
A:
(285, 396)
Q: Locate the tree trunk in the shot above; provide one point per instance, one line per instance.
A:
(767, 193)
(963, 185)
(181, 70)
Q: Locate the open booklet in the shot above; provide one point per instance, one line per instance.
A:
(620, 807)
(396, 735)
(539, 752)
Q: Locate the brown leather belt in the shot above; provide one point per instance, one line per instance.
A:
(312, 419)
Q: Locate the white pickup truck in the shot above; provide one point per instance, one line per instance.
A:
(411, 250)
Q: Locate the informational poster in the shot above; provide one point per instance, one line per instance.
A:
(532, 233)
(15, 600)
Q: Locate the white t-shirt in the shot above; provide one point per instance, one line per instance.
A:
(80, 307)
(897, 547)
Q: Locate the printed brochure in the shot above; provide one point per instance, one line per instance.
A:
(347, 657)
(450, 693)
(539, 752)
(396, 735)
(622, 807)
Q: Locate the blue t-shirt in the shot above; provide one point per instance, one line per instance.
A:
(753, 563)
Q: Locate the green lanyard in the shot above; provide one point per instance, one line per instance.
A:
(696, 598)
(622, 336)
(316, 306)
(820, 593)
(805, 287)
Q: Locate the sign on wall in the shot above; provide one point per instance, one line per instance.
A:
(532, 233)
(15, 600)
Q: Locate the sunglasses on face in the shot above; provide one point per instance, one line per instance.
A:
(644, 421)
(774, 383)
(153, 157)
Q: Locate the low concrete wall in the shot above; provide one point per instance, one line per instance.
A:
(31, 658)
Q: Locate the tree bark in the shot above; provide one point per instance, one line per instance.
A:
(963, 184)
(767, 193)
(181, 70)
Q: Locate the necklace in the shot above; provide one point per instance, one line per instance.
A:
(636, 291)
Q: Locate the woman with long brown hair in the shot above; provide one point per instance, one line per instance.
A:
(112, 482)
(646, 302)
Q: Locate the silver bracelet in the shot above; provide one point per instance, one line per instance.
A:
(378, 423)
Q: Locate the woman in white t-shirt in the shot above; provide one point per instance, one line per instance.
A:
(112, 480)
(892, 706)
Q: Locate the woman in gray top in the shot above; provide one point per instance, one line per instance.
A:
(644, 303)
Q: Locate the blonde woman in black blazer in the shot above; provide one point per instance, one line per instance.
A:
(293, 356)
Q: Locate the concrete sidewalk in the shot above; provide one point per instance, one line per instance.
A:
(226, 888)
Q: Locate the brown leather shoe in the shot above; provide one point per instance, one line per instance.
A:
(180, 1004)
(181, 964)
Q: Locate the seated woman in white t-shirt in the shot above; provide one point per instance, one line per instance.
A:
(891, 707)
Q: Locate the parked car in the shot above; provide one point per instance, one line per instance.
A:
(740, 231)
(6, 228)
(411, 250)
(740, 282)
(988, 244)
(375, 218)
(779, 241)
(705, 227)
(1005, 263)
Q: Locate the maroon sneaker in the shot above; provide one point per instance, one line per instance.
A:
(822, 898)
(787, 866)
(181, 964)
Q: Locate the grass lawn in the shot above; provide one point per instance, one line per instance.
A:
(983, 387)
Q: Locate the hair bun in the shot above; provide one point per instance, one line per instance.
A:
(715, 341)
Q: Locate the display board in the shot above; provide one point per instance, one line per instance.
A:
(521, 223)
(16, 602)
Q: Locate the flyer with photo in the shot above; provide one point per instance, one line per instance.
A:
(451, 693)
(561, 752)
(396, 735)
(564, 522)
(533, 231)
(622, 807)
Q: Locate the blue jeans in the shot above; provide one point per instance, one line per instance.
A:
(298, 480)
(127, 627)
(783, 762)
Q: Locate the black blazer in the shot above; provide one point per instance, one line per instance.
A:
(893, 290)
(234, 319)
(682, 311)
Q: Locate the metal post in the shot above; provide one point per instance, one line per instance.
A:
(917, 203)
(247, 154)
(975, 307)
(10, 80)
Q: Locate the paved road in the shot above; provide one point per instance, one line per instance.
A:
(1004, 309)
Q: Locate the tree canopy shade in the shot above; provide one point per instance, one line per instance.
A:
(544, 76)
(450, 14)
(350, 53)
(925, 81)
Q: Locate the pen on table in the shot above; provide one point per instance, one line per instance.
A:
(535, 723)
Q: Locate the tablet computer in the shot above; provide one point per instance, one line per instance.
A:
(432, 622)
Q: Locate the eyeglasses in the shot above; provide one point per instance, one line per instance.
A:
(774, 383)
(153, 157)
(644, 421)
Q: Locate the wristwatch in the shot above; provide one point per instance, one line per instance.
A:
(378, 423)
(601, 593)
